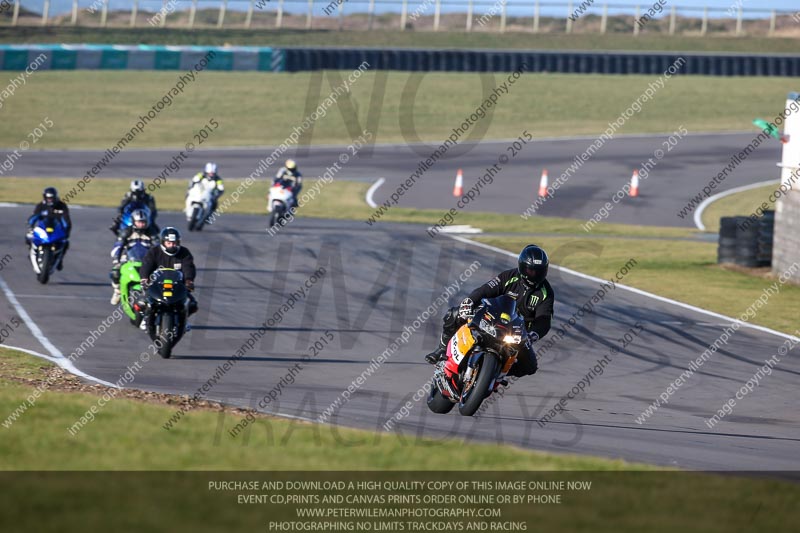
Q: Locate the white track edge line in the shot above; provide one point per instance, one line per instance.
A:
(636, 291)
(372, 190)
(55, 354)
(698, 214)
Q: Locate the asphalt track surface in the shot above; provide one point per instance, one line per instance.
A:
(378, 280)
(679, 176)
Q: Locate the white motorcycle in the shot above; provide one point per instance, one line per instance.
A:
(280, 198)
(199, 199)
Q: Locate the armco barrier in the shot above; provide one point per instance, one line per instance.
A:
(139, 57)
(575, 62)
(148, 57)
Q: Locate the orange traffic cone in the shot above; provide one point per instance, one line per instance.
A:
(543, 184)
(634, 184)
(458, 189)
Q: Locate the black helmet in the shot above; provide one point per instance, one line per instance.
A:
(139, 216)
(50, 195)
(172, 237)
(533, 263)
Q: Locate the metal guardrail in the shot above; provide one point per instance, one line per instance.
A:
(537, 12)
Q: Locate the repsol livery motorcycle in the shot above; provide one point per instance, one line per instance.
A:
(478, 355)
(166, 308)
(48, 240)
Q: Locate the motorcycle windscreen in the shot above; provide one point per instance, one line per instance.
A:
(167, 286)
(137, 251)
(501, 312)
(127, 213)
(48, 230)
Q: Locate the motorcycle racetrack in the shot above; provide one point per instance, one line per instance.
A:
(377, 282)
(674, 180)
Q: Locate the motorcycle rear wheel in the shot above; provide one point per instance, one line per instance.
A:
(438, 403)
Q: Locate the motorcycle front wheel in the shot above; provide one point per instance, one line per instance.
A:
(164, 338)
(475, 392)
(44, 266)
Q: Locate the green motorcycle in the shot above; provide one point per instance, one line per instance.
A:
(130, 284)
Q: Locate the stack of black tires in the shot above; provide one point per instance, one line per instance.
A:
(746, 242)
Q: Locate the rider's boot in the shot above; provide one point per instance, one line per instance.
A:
(116, 296)
(436, 355)
(501, 381)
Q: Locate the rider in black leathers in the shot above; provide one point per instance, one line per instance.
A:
(528, 285)
(170, 254)
(51, 205)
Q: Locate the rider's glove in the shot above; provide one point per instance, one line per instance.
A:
(465, 310)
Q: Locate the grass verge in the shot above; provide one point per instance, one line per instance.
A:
(396, 38)
(39, 440)
(127, 435)
(93, 109)
(741, 203)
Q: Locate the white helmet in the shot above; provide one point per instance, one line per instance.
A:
(137, 186)
(211, 169)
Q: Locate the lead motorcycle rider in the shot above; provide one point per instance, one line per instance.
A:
(528, 285)
(170, 254)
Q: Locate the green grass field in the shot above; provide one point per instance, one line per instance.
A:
(127, 435)
(93, 109)
(396, 38)
(39, 440)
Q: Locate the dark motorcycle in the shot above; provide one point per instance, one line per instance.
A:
(478, 355)
(166, 309)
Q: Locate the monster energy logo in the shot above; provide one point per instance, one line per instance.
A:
(534, 300)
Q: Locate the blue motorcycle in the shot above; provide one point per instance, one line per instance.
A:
(48, 242)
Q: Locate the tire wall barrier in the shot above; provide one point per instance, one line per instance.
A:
(152, 57)
(575, 62)
(746, 242)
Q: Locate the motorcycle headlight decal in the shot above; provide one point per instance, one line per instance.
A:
(512, 339)
(488, 328)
